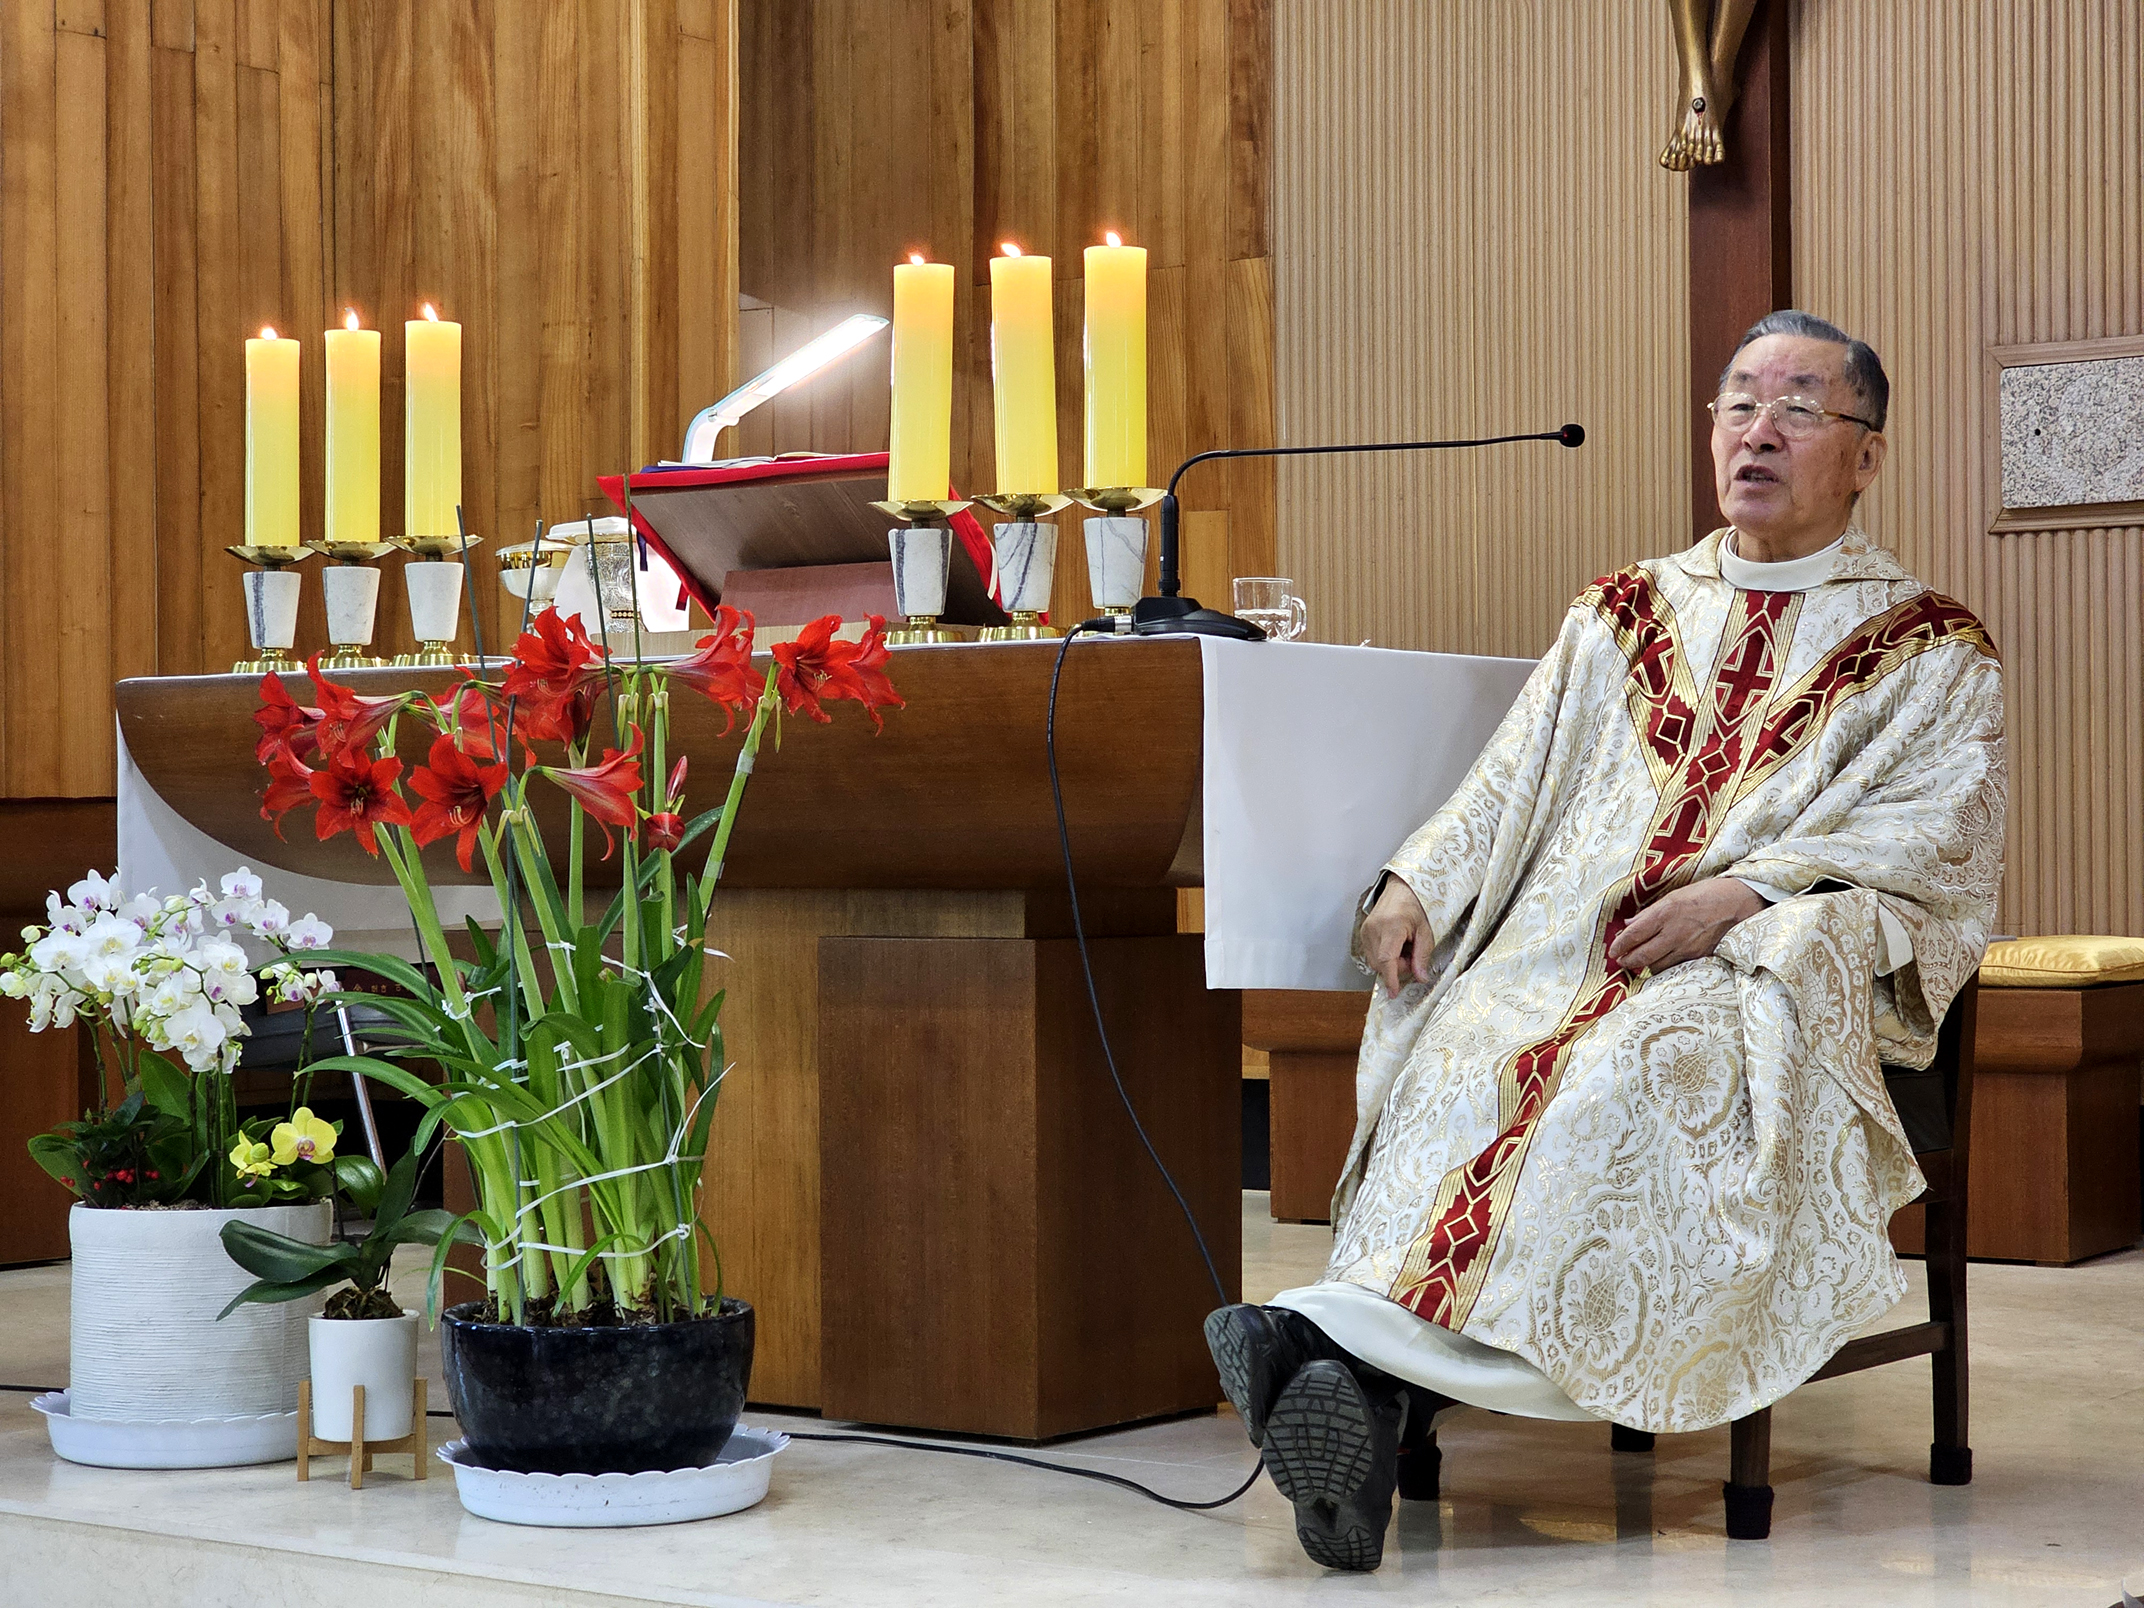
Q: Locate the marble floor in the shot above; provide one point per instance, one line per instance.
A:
(1532, 1512)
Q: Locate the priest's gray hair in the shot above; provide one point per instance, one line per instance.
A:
(1864, 369)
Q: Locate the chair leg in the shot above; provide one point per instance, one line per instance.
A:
(1622, 1438)
(1950, 1455)
(1749, 1486)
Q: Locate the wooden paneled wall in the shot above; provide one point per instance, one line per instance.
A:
(174, 174)
(871, 128)
(1968, 174)
(1471, 238)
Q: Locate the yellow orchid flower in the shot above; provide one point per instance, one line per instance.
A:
(252, 1160)
(303, 1138)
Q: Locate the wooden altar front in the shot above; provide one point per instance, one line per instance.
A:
(919, 1173)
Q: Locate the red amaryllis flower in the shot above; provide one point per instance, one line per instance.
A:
(605, 791)
(347, 719)
(480, 725)
(722, 668)
(358, 793)
(289, 785)
(283, 721)
(674, 794)
(456, 793)
(666, 831)
(867, 672)
(817, 666)
(554, 676)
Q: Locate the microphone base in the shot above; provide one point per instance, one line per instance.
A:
(1171, 616)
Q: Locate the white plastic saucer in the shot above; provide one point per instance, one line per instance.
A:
(736, 1480)
(170, 1442)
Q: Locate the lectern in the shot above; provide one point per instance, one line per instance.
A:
(919, 1172)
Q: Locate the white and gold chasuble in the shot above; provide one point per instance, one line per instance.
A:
(1670, 1195)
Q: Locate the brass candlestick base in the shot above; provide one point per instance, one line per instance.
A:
(921, 629)
(1026, 626)
(922, 513)
(272, 662)
(1025, 505)
(429, 656)
(351, 656)
(1116, 499)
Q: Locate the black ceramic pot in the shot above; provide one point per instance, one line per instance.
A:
(597, 1401)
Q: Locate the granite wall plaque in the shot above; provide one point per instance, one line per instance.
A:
(2072, 433)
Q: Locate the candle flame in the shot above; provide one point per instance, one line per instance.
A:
(1114, 238)
(349, 318)
(267, 334)
(431, 313)
(916, 257)
(1009, 249)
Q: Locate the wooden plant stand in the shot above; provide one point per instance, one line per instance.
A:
(361, 1452)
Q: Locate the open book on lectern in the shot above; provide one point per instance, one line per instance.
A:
(792, 538)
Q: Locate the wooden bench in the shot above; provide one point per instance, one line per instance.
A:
(2055, 1102)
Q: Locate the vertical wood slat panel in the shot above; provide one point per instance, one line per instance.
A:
(2001, 202)
(1432, 280)
(130, 357)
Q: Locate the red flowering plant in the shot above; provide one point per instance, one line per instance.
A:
(580, 1089)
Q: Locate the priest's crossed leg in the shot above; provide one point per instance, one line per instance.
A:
(1623, 1149)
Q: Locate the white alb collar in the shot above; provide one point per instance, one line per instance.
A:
(1789, 575)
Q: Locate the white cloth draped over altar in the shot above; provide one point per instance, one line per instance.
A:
(1319, 761)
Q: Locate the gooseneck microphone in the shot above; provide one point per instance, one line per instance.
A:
(1171, 612)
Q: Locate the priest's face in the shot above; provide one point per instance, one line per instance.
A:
(1791, 491)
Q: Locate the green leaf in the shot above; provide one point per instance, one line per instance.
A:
(426, 1227)
(278, 1258)
(400, 1189)
(59, 1157)
(166, 1088)
(360, 1178)
(267, 1292)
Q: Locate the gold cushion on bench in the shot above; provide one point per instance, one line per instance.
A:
(2068, 961)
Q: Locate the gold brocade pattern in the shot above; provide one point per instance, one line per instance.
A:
(1671, 1197)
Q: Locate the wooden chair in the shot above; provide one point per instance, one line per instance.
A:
(1935, 1108)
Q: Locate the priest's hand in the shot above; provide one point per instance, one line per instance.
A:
(1687, 924)
(1396, 939)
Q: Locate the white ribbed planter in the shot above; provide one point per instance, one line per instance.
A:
(144, 1344)
(378, 1353)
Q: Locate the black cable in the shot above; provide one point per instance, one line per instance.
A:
(1079, 932)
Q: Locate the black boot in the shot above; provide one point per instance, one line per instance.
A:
(1332, 1447)
(1421, 1461)
(1257, 1350)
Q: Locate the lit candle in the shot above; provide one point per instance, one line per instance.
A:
(920, 441)
(1023, 368)
(353, 421)
(431, 425)
(271, 441)
(1116, 364)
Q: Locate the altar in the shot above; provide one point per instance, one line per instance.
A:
(919, 1143)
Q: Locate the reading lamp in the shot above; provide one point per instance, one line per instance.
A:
(798, 366)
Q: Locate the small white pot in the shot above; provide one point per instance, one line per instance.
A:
(1025, 552)
(272, 607)
(353, 596)
(1116, 561)
(922, 557)
(378, 1353)
(435, 599)
(144, 1342)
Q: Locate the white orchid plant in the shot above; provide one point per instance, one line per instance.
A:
(161, 984)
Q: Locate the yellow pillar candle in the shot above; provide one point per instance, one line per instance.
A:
(1023, 368)
(271, 441)
(1116, 364)
(431, 425)
(353, 431)
(920, 440)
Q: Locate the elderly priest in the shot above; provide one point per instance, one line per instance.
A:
(1623, 1148)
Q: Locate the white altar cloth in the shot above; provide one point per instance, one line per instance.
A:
(1319, 761)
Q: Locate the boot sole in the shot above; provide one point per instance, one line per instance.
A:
(1321, 1449)
(1231, 1349)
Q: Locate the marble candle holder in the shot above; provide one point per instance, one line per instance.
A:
(434, 586)
(1116, 562)
(922, 562)
(1024, 553)
(272, 588)
(350, 586)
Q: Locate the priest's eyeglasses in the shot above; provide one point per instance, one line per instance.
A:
(1795, 417)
